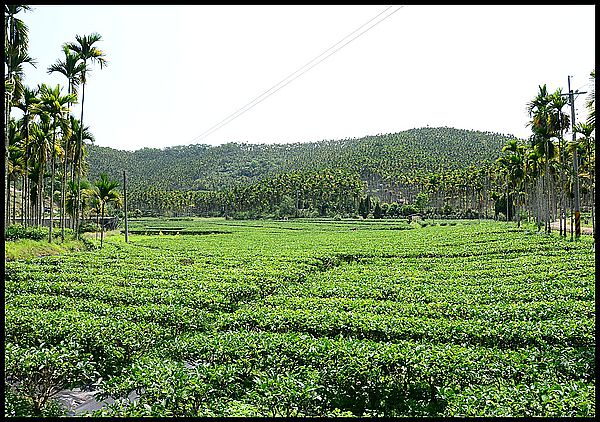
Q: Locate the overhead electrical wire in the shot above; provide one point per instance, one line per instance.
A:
(297, 74)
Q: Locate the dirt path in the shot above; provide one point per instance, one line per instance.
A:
(584, 229)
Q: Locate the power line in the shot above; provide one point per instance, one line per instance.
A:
(256, 101)
(272, 90)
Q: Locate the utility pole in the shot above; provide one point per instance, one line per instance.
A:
(125, 206)
(571, 95)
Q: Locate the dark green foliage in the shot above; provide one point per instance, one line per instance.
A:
(202, 167)
(214, 181)
(17, 231)
(422, 201)
(385, 209)
(500, 206)
(408, 209)
(89, 227)
(377, 213)
(447, 209)
(323, 192)
(393, 210)
(364, 207)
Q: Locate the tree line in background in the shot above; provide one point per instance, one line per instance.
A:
(531, 179)
(437, 172)
(45, 148)
(384, 161)
(539, 175)
(390, 168)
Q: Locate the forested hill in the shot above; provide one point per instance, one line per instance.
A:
(400, 155)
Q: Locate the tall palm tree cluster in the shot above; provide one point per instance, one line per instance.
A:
(44, 157)
(326, 192)
(539, 176)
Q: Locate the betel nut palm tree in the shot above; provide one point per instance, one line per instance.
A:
(28, 105)
(105, 192)
(514, 163)
(88, 54)
(540, 124)
(71, 195)
(590, 103)
(15, 57)
(56, 107)
(71, 68)
(559, 122)
(69, 151)
(40, 148)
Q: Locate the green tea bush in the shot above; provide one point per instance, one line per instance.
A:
(312, 318)
(89, 243)
(37, 374)
(17, 405)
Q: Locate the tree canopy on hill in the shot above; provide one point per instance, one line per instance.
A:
(381, 158)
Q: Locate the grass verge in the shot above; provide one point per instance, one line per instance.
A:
(28, 248)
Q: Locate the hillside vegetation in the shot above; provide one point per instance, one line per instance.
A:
(400, 155)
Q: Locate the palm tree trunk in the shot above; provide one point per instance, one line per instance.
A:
(593, 206)
(518, 211)
(63, 207)
(563, 210)
(73, 161)
(14, 201)
(24, 207)
(7, 219)
(23, 201)
(507, 201)
(53, 152)
(30, 210)
(593, 194)
(102, 227)
(541, 209)
(79, 159)
(40, 198)
(42, 202)
(592, 198)
(7, 100)
(70, 151)
(547, 225)
(74, 211)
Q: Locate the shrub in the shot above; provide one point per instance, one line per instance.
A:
(69, 232)
(17, 231)
(377, 213)
(36, 374)
(89, 243)
(408, 209)
(89, 227)
(16, 405)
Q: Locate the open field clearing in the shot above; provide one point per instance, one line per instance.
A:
(210, 317)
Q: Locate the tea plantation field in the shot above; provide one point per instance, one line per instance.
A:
(308, 318)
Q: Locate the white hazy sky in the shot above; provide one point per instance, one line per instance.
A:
(176, 71)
